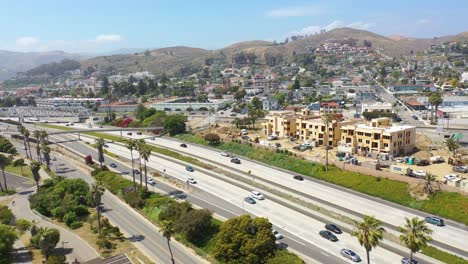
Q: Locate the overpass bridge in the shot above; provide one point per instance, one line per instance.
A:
(130, 129)
(23, 112)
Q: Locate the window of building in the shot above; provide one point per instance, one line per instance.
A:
(367, 141)
(385, 145)
(360, 140)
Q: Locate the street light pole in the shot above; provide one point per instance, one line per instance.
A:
(243, 210)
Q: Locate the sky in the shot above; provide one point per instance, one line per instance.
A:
(100, 26)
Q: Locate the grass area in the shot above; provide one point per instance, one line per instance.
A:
(9, 192)
(446, 204)
(137, 257)
(443, 256)
(24, 171)
(56, 127)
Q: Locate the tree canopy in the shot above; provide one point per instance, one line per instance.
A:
(175, 124)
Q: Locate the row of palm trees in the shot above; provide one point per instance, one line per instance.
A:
(414, 234)
(144, 153)
(42, 148)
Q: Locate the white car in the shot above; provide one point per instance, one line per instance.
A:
(257, 195)
(151, 182)
(224, 154)
(277, 234)
(419, 173)
(451, 177)
(191, 180)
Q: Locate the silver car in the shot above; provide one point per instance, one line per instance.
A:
(349, 254)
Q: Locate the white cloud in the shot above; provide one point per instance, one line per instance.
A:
(422, 21)
(310, 30)
(26, 42)
(295, 11)
(108, 38)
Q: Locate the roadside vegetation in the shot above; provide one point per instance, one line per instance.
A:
(445, 204)
(197, 228)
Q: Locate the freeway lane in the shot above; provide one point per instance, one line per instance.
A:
(302, 226)
(453, 235)
(218, 206)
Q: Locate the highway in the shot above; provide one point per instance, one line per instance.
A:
(298, 224)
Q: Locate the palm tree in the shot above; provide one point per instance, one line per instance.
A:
(452, 144)
(327, 119)
(140, 145)
(145, 154)
(97, 190)
(131, 145)
(435, 99)
(368, 233)
(100, 145)
(167, 229)
(46, 152)
(415, 235)
(23, 132)
(4, 161)
(35, 167)
(27, 134)
(43, 139)
(429, 179)
(49, 237)
(37, 135)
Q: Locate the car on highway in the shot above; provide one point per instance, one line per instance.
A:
(25, 148)
(407, 261)
(349, 254)
(105, 145)
(139, 133)
(151, 182)
(136, 171)
(298, 178)
(414, 117)
(125, 173)
(236, 161)
(129, 133)
(183, 145)
(328, 235)
(257, 195)
(191, 180)
(189, 168)
(250, 200)
(225, 154)
(277, 234)
(113, 165)
(332, 227)
(54, 159)
(101, 127)
(435, 220)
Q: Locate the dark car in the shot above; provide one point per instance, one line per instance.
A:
(236, 161)
(298, 177)
(105, 145)
(129, 133)
(136, 171)
(189, 168)
(407, 261)
(250, 200)
(183, 145)
(459, 169)
(414, 117)
(328, 235)
(333, 228)
(113, 165)
(435, 220)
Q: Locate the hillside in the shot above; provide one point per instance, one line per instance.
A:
(183, 61)
(14, 62)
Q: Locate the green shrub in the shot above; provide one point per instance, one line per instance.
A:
(6, 216)
(81, 211)
(284, 257)
(69, 218)
(59, 213)
(134, 199)
(23, 225)
(104, 243)
(76, 225)
(54, 259)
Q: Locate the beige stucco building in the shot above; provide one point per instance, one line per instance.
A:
(377, 136)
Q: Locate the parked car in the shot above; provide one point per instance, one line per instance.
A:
(236, 161)
(332, 227)
(113, 165)
(183, 145)
(435, 220)
(189, 168)
(449, 177)
(298, 177)
(151, 182)
(419, 174)
(407, 261)
(462, 169)
(272, 137)
(277, 234)
(257, 195)
(233, 114)
(191, 180)
(349, 254)
(328, 235)
(250, 200)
